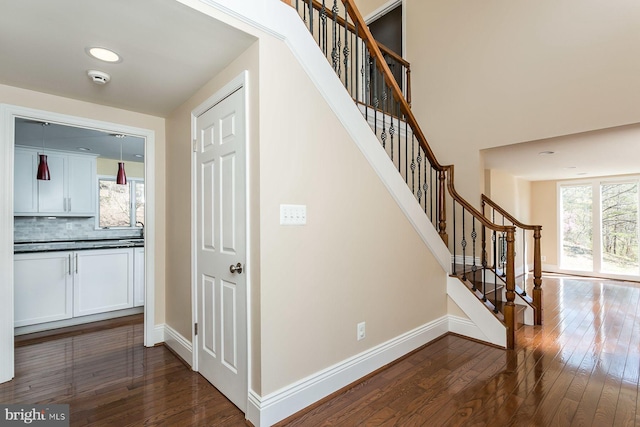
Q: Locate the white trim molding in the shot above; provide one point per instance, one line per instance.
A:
(177, 342)
(8, 113)
(276, 406)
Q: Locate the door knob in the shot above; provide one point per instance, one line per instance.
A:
(236, 268)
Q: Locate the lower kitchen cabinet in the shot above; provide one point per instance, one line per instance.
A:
(43, 290)
(51, 286)
(138, 277)
(103, 281)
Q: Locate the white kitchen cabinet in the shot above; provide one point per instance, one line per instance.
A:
(43, 290)
(25, 187)
(138, 277)
(71, 191)
(103, 281)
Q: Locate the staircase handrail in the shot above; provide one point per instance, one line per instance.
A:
(507, 215)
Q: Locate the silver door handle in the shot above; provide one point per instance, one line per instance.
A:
(76, 263)
(236, 268)
(69, 264)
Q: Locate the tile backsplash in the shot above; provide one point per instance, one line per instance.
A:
(43, 229)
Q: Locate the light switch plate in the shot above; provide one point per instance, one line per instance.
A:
(293, 214)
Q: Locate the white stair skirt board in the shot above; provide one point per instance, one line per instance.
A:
(178, 343)
(267, 410)
(489, 325)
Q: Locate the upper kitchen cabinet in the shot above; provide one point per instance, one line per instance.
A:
(70, 192)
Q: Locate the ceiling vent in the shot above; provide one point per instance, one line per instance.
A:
(98, 77)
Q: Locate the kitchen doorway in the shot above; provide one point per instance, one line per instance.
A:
(8, 119)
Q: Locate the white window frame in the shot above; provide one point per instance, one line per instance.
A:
(132, 202)
(596, 219)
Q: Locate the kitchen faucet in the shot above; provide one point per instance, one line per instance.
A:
(142, 226)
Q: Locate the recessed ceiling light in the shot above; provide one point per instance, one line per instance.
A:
(581, 173)
(139, 155)
(83, 148)
(546, 153)
(570, 167)
(103, 54)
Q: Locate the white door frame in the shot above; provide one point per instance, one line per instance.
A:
(241, 81)
(8, 113)
(386, 8)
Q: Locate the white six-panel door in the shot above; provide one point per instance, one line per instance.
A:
(220, 243)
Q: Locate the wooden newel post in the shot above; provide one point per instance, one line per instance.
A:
(442, 211)
(537, 275)
(509, 308)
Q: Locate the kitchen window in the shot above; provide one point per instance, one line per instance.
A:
(120, 206)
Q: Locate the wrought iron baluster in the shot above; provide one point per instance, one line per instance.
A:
(524, 262)
(495, 275)
(474, 267)
(334, 39)
(311, 16)
(413, 166)
(323, 21)
(392, 131)
(419, 160)
(357, 68)
(383, 135)
(463, 243)
(455, 261)
(345, 50)
(406, 150)
(375, 95)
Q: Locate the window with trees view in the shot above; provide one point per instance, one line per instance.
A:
(600, 227)
(120, 205)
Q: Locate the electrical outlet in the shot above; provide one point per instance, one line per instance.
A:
(361, 331)
(543, 258)
(69, 225)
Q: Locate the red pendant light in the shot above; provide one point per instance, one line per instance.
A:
(121, 178)
(43, 167)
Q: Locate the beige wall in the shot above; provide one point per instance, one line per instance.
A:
(544, 211)
(511, 193)
(41, 101)
(110, 167)
(358, 258)
(488, 74)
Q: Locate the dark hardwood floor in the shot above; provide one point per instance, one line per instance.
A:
(581, 368)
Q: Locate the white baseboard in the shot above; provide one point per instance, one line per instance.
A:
(178, 343)
(266, 410)
(158, 334)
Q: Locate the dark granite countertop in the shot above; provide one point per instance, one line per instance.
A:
(27, 247)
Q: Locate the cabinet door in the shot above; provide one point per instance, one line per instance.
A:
(51, 194)
(103, 281)
(42, 287)
(138, 277)
(82, 185)
(25, 187)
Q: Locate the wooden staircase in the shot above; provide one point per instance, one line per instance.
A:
(363, 66)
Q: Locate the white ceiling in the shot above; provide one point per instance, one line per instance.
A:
(31, 133)
(168, 50)
(614, 151)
